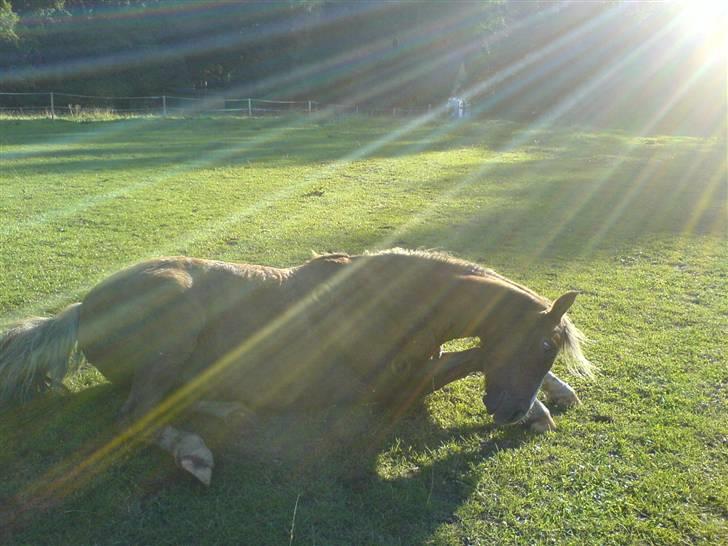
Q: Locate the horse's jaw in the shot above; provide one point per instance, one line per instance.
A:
(504, 410)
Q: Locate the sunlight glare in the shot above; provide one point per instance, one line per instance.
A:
(705, 21)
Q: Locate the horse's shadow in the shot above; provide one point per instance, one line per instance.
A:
(404, 475)
(409, 473)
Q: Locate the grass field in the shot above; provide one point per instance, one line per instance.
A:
(637, 224)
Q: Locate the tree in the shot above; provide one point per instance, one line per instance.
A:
(8, 21)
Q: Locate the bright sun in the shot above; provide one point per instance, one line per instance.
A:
(705, 24)
(703, 17)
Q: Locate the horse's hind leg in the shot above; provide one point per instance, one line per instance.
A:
(142, 329)
(189, 452)
(150, 386)
(559, 391)
(151, 404)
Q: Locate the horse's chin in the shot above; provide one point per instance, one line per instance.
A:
(505, 414)
(509, 418)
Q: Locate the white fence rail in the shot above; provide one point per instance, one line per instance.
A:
(54, 104)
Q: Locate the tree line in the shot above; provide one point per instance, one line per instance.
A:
(522, 58)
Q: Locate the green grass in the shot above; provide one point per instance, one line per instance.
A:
(637, 224)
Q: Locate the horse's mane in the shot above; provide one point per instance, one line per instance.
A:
(571, 341)
(572, 338)
(465, 267)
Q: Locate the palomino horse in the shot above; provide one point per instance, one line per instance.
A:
(207, 335)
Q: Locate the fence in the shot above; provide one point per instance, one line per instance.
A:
(53, 104)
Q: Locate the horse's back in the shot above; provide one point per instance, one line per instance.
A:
(197, 310)
(334, 324)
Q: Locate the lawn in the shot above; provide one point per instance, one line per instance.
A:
(636, 223)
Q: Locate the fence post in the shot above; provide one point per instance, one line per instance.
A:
(53, 106)
(250, 108)
(309, 107)
(164, 105)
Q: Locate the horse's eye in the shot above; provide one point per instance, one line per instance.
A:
(548, 346)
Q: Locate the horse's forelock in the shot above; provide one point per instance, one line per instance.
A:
(572, 340)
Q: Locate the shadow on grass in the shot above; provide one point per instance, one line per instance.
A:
(567, 193)
(267, 143)
(355, 474)
(551, 213)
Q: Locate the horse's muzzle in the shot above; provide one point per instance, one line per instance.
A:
(503, 414)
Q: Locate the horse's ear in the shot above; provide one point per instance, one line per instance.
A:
(561, 306)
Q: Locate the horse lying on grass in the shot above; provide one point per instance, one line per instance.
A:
(190, 334)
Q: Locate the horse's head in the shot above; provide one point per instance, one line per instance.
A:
(518, 361)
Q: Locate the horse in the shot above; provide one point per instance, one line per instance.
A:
(189, 334)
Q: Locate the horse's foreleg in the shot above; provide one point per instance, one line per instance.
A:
(449, 367)
(559, 392)
(453, 366)
(539, 418)
(189, 452)
(431, 375)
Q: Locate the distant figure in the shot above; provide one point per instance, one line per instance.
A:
(456, 107)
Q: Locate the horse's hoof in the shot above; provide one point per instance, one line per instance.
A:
(199, 470)
(542, 425)
(566, 398)
(538, 419)
(195, 457)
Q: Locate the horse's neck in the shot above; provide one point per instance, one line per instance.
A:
(479, 305)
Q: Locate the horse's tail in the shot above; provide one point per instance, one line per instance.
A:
(37, 353)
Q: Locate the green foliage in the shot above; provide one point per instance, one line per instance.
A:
(8, 20)
(37, 6)
(636, 224)
(285, 49)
